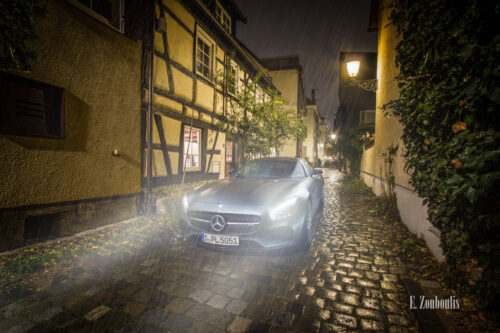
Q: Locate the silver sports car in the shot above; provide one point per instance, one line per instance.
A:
(269, 203)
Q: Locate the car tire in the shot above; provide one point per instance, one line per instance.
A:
(307, 230)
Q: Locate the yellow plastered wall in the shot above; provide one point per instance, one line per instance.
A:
(176, 7)
(287, 82)
(168, 103)
(180, 43)
(158, 42)
(174, 160)
(205, 117)
(387, 130)
(171, 129)
(160, 74)
(183, 84)
(102, 111)
(204, 95)
(219, 53)
(159, 168)
(192, 113)
(219, 105)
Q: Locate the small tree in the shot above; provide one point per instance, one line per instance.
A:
(256, 122)
(16, 29)
(349, 146)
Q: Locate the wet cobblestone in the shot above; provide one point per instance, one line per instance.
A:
(347, 280)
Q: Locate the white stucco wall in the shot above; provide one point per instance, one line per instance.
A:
(412, 211)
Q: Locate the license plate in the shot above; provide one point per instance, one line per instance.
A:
(220, 239)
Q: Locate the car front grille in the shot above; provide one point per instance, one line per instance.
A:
(236, 224)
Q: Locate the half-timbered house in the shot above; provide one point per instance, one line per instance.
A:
(194, 44)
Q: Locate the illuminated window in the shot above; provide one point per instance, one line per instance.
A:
(229, 151)
(222, 17)
(192, 144)
(204, 52)
(232, 77)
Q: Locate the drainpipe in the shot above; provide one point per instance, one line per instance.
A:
(149, 125)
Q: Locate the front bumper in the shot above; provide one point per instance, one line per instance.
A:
(258, 232)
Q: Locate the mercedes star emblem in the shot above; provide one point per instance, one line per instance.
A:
(217, 222)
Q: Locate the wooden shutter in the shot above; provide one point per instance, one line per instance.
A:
(30, 108)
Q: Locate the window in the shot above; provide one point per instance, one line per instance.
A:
(204, 52)
(111, 11)
(307, 167)
(222, 17)
(192, 146)
(271, 168)
(233, 77)
(30, 108)
(367, 117)
(229, 152)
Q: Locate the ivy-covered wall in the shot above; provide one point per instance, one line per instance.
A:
(448, 58)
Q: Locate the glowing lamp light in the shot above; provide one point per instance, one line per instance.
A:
(333, 136)
(353, 68)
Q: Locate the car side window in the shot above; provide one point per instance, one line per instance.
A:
(307, 167)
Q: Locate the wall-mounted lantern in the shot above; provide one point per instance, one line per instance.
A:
(352, 71)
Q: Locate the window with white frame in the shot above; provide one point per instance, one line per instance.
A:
(204, 55)
(233, 77)
(222, 17)
(192, 148)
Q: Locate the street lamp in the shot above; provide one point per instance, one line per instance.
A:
(352, 71)
(333, 136)
(352, 68)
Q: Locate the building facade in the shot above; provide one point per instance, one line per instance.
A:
(61, 123)
(388, 131)
(194, 44)
(311, 143)
(288, 77)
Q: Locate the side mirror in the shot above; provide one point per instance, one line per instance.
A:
(317, 171)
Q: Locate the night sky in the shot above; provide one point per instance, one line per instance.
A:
(316, 30)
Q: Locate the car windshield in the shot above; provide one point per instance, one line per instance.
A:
(271, 168)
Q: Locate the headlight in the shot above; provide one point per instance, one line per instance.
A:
(285, 209)
(185, 203)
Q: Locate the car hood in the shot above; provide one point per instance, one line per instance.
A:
(247, 191)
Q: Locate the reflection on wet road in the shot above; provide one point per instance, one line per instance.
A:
(347, 280)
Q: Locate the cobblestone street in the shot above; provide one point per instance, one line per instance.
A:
(349, 280)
